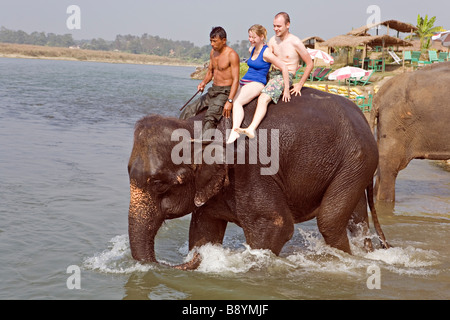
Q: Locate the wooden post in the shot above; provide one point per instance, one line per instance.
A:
(364, 55)
(403, 58)
(398, 36)
(347, 54)
(382, 53)
(353, 54)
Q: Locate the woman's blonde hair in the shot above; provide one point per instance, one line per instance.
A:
(259, 30)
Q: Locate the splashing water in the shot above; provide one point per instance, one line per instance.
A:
(312, 255)
(116, 259)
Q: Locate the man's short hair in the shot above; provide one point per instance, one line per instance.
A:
(286, 17)
(218, 32)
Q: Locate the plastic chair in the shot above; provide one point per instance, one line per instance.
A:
(415, 56)
(432, 55)
(443, 56)
(322, 74)
(298, 73)
(361, 102)
(415, 59)
(407, 56)
(313, 74)
(395, 57)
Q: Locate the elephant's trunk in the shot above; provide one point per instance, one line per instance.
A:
(144, 221)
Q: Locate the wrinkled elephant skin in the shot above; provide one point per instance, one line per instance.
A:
(327, 159)
(412, 114)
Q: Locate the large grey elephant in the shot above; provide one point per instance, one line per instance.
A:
(326, 157)
(412, 115)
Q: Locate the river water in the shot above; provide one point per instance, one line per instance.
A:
(66, 132)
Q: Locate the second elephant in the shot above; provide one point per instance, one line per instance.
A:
(412, 114)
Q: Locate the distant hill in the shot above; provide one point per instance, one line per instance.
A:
(145, 44)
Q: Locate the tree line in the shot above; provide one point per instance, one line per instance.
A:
(145, 44)
(36, 38)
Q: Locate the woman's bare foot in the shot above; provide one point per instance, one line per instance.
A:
(233, 136)
(247, 131)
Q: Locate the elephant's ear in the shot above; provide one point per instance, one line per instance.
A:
(210, 180)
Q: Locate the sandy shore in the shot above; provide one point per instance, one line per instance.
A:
(53, 53)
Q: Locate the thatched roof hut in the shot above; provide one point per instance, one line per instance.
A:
(310, 42)
(366, 41)
(371, 41)
(343, 41)
(360, 37)
(390, 24)
(386, 41)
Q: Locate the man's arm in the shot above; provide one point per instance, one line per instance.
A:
(270, 43)
(304, 55)
(209, 74)
(234, 65)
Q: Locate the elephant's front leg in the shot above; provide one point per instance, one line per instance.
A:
(268, 226)
(206, 228)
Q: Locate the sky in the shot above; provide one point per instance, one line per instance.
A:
(192, 20)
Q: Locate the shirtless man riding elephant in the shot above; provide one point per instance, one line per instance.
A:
(224, 71)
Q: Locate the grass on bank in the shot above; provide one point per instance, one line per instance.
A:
(56, 53)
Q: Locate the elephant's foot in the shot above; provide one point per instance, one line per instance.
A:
(368, 245)
(190, 265)
(247, 131)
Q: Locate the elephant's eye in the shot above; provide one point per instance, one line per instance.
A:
(160, 186)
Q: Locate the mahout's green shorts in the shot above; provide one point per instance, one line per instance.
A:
(213, 100)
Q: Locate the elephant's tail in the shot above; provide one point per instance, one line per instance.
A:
(376, 223)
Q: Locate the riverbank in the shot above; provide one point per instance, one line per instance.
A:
(8, 50)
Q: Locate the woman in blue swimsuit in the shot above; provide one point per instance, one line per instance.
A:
(256, 77)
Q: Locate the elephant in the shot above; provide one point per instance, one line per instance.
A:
(326, 154)
(411, 113)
